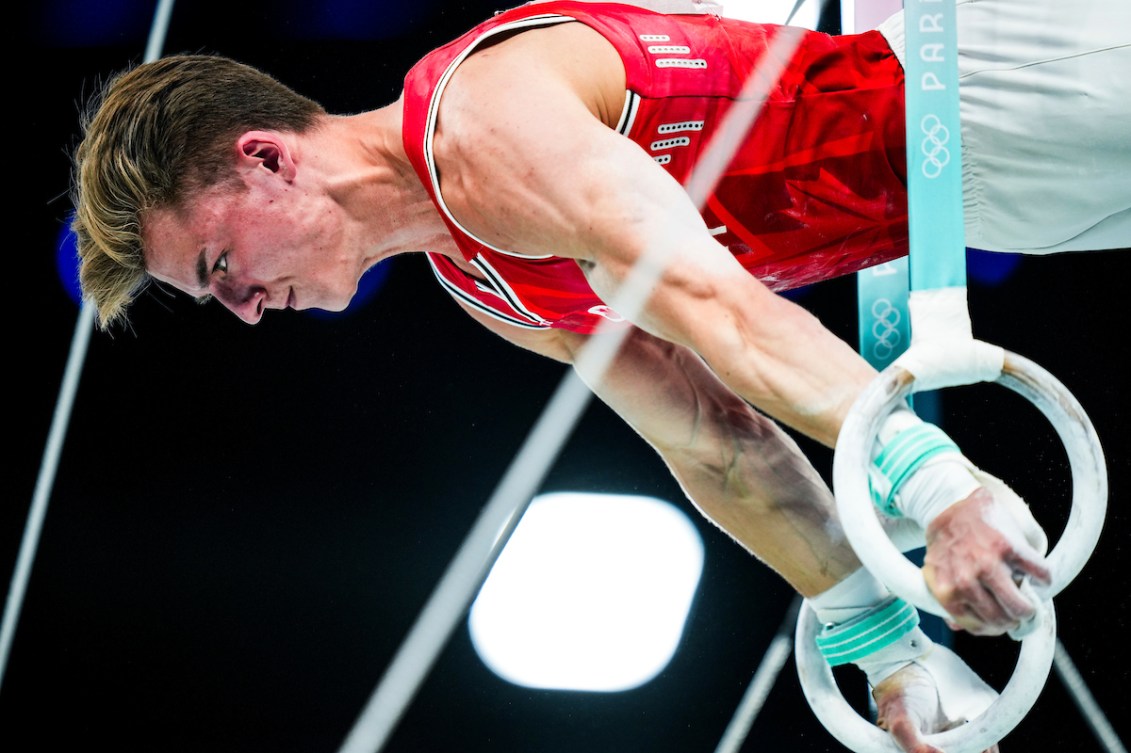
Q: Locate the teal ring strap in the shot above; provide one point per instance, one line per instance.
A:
(934, 146)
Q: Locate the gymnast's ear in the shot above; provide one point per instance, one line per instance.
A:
(266, 149)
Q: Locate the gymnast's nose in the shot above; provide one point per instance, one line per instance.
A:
(247, 305)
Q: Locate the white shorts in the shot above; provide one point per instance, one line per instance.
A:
(1045, 90)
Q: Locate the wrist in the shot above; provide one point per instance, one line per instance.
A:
(856, 594)
(917, 470)
(880, 641)
(912, 646)
(934, 488)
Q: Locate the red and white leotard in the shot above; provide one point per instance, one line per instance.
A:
(817, 189)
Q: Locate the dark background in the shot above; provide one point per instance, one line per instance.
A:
(246, 521)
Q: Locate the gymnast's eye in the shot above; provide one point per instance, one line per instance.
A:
(221, 264)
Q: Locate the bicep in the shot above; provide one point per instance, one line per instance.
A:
(663, 390)
(557, 344)
(670, 397)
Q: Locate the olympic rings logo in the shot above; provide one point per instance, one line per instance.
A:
(933, 147)
(885, 329)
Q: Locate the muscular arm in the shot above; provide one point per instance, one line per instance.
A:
(529, 162)
(739, 468)
(526, 123)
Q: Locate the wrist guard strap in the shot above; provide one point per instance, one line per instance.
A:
(872, 631)
(902, 456)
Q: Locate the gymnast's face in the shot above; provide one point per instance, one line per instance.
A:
(267, 242)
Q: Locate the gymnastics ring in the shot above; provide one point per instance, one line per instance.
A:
(989, 727)
(962, 359)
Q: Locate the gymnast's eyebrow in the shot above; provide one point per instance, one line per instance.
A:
(202, 271)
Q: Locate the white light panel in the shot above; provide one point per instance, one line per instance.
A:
(591, 593)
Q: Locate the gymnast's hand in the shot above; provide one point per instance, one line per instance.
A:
(908, 704)
(982, 540)
(978, 550)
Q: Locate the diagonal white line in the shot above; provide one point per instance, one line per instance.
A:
(50, 463)
(495, 524)
(1074, 683)
(764, 678)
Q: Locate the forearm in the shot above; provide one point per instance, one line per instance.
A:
(767, 349)
(738, 467)
(754, 484)
(780, 358)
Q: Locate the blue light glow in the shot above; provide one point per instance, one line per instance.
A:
(990, 267)
(67, 263)
(74, 23)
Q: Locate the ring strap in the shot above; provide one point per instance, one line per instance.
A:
(903, 455)
(862, 636)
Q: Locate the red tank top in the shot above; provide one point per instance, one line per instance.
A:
(817, 190)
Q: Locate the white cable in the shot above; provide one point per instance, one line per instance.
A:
(1093, 715)
(50, 463)
(764, 678)
(158, 30)
(500, 516)
(43, 484)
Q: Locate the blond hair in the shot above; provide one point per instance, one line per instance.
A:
(152, 137)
